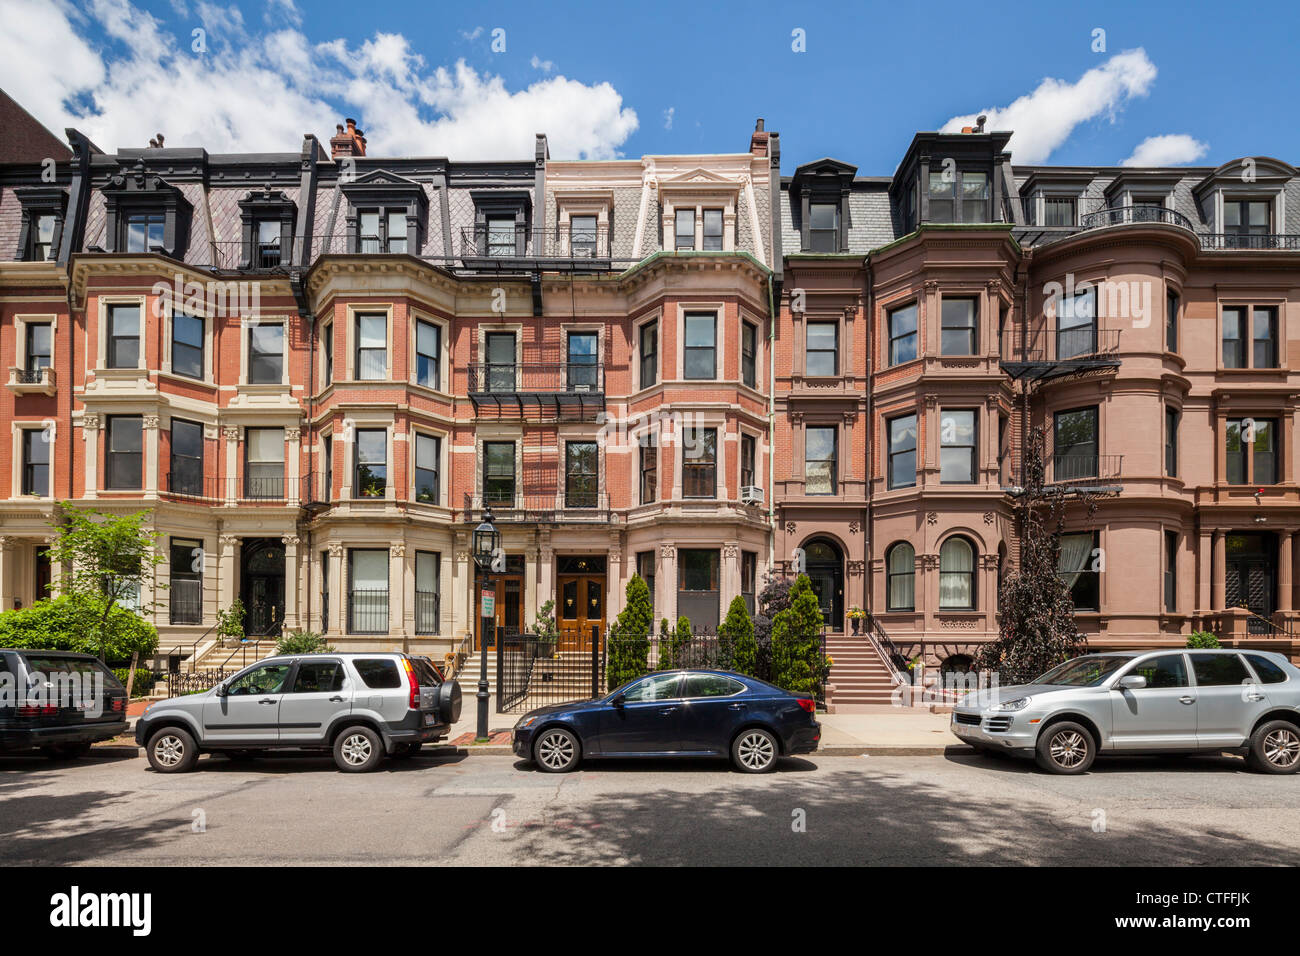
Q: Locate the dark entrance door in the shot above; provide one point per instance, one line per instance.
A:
(826, 574)
(262, 588)
(1250, 577)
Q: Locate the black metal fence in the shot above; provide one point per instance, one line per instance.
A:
(368, 611)
(426, 612)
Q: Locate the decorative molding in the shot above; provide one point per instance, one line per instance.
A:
(293, 434)
(289, 540)
(856, 567)
(336, 550)
(150, 422)
(730, 552)
(932, 517)
(988, 517)
(397, 549)
(231, 432)
(667, 551)
(90, 422)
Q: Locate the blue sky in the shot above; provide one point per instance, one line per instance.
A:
(608, 79)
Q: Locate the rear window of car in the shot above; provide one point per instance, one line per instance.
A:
(1269, 672)
(426, 672)
(1218, 670)
(379, 673)
(711, 685)
(40, 664)
(317, 677)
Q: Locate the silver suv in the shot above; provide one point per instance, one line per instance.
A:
(360, 706)
(1160, 702)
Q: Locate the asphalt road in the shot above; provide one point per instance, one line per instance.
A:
(940, 810)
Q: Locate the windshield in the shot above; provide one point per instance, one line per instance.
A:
(1082, 671)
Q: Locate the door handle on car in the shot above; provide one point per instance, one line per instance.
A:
(668, 710)
(1254, 696)
(336, 700)
(267, 700)
(735, 707)
(1186, 700)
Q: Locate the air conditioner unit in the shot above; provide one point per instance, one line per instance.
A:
(751, 495)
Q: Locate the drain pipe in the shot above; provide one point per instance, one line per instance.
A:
(771, 426)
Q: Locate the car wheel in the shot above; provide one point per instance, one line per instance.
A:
(1066, 748)
(754, 751)
(1275, 748)
(172, 750)
(358, 750)
(557, 751)
(66, 751)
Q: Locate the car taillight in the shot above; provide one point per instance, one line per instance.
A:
(119, 704)
(32, 710)
(808, 704)
(415, 683)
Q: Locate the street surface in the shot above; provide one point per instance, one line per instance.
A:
(936, 810)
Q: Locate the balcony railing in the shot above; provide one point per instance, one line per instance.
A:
(1228, 240)
(561, 247)
(1123, 215)
(246, 490)
(1040, 355)
(564, 390)
(1084, 469)
(23, 381)
(233, 256)
(540, 508)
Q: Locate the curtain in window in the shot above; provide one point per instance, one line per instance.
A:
(1076, 549)
(902, 578)
(956, 574)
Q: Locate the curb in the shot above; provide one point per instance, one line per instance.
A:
(868, 750)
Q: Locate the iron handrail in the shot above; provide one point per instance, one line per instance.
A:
(885, 647)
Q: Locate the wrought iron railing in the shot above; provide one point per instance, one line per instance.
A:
(427, 618)
(1123, 215)
(29, 376)
(879, 639)
(247, 490)
(502, 378)
(1079, 344)
(368, 611)
(185, 601)
(1084, 469)
(566, 245)
(232, 255)
(554, 506)
(1229, 240)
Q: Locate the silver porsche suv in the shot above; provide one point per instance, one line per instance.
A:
(1151, 702)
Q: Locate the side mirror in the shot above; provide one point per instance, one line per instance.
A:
(618, 700)
(1132, 682)
(221, 690)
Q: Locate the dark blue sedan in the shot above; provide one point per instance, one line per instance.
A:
(686, 713)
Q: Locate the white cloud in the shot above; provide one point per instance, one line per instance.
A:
(262, 90)
(285, 10)
(537, 63)
(1172, 149)
(1044, 119)
(668, 117)
(472, 34)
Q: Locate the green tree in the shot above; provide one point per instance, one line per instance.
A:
(737, 649)
(629, 636)
(1037, 628)
(797, 660)
(544, 627)
(673, 644)
(108, 560)
(63, 624)
(303, 642)
(1202, 640)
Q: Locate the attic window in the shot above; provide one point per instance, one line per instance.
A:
(824, 228)
(42, 222)
(144, 231)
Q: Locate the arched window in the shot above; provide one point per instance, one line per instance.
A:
(900, 568)
(826, 572)
(957, 575)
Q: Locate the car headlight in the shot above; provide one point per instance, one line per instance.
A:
(526, 722)
(1020, 703)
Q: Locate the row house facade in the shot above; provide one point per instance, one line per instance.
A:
(318, 369)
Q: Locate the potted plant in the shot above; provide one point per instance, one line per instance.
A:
(856, 617)
(548, 635)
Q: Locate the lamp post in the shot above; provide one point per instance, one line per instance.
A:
(487, 542)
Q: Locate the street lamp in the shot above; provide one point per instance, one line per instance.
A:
(487, 542)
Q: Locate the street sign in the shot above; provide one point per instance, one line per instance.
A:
(489, 603)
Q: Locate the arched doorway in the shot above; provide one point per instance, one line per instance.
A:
(262, 586)
(825, 566)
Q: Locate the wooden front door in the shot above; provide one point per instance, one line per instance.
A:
(508, 610)
(581, 612)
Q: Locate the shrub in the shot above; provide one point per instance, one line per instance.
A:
(70, 623)
(144, 680)
(797, 660)
(303, 642)
(1202, 640)
(629, 636)
(673, 644)
(544, 627)
(736, 647)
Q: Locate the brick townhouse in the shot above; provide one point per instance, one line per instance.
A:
(317, 369)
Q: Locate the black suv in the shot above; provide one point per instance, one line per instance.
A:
(57, 702)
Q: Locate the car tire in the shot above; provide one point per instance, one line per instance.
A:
(358, 750)
(66, 751)
(1066, 748)
(1275, 748)
(755, 750)
(557, 750)
(172, 750)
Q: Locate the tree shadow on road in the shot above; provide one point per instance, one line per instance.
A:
(871, 815)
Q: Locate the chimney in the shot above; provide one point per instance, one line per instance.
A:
(349, 142)
(758, 142)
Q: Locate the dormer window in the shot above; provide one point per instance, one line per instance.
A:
(685, 229)
(382, 230)
(1246, 222)
(582, 236)
(268, 244)
(961, 196)
(1059, 211)
(824, 229)
(712, 230)
(501, 236)
(144, 231)
(267, 219)
(388, 211)
(42, 222)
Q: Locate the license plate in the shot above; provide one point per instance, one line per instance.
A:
(430, 719)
